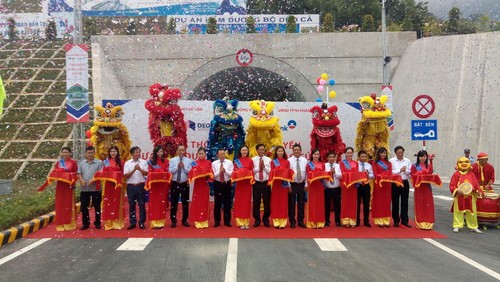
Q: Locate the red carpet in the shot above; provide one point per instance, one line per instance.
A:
(261, 232)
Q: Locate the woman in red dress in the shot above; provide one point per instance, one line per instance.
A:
(65, 170)
(158, 187)
(280, 187)
(315, 206)
(112, 191)
(349, 199)
(243, 176)
(424, 201)
(381, 201)
(200, 173)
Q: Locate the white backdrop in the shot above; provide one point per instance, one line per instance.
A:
(294, 119)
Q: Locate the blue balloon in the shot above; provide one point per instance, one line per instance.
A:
(319, 100)
(331, 82)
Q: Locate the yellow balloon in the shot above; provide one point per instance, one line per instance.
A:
(324, 76)
(332, 94)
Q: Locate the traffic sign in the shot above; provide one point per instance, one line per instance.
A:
(244, 57)
(424, 129)
(423, 106)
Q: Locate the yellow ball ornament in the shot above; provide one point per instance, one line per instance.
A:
(332, 94)
(324, 76)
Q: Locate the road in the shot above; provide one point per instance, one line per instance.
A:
(463, 256)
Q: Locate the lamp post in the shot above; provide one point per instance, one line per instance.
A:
(385, 59)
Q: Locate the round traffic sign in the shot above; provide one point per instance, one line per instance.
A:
(244, 57)
(423, 106)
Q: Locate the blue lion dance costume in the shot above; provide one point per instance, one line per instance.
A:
(226, 130)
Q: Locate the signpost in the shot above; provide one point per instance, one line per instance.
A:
(423, 106)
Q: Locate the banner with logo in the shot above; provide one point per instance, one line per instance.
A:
(77, 83)
(294, 119)
(32, 25)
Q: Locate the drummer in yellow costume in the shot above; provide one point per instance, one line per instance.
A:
(465, 189)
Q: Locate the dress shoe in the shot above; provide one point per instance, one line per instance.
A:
(357, 225)
(217, 224)
(85, 227)
(266, 223)
(228, 224)
(131, 226)
(327, 224)
(338, 224)
(475, 230)
(292, 225)
(256, 224)
(396, 224)
(141, 226)
(186, 224)
(98, 227)
(174, 224)
(407, 225)
(301, 224)
(367, 224)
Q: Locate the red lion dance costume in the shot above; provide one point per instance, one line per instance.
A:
(325, 135)
(166, 121)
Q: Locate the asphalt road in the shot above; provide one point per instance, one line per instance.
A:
(464, 256)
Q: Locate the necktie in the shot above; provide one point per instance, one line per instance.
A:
(331, 171)
(179, 172)
(261, 171)
(363, 167)
(299, 173)
(221, 174)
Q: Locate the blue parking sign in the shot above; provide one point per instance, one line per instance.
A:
(424, 129)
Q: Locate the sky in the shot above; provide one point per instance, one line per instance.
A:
(440, 8)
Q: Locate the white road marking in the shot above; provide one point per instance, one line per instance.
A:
(330, 245)
(135, 244)
(446, 198)
(232, 261)
(23, 250)
(464, 258)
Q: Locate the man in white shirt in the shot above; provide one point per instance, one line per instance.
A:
(135, 171)
(179, 166)
(261, 169)
(298, 165)
(222, 169)
(364, 189)
(401, 166)
(332, 189)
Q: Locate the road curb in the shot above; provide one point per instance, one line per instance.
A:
(23, 229)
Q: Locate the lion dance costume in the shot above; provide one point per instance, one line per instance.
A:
(226, 130)
(325, 135)
(108, 131)
(373, 129)
(166, 124)
(263, 128)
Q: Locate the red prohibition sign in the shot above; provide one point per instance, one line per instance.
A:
(423, 106)
(244, 57)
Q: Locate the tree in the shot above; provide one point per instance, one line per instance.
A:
(171, 26)
(131, 27)
(89, 28)
(291, 26)
(368, 24)
(212, 26)
(51, 29)
(454, 19)
(12, 29)
(250, 25)
(328, 25)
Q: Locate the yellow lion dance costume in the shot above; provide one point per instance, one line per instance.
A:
(108, 130)
(373, 130)
(264, 127)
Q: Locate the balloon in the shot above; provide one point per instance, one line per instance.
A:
(324, 76)
(317, 80)
(322, 82)
(88, 134)
(332, 94)
(89, 143)
(331, 82)
(320, 88)
(319, 100)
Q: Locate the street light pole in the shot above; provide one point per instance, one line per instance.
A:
(384, 47)
(78, 127)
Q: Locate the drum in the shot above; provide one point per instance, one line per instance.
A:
(488, 209)
(466, 188)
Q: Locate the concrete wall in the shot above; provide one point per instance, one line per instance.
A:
(127, 65)
(462, 74)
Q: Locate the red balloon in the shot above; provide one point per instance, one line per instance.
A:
(89, 143)
(88, 134)
(317, 80)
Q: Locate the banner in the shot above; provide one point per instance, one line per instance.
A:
(294, 118)
(32, 25)
(77, 83)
